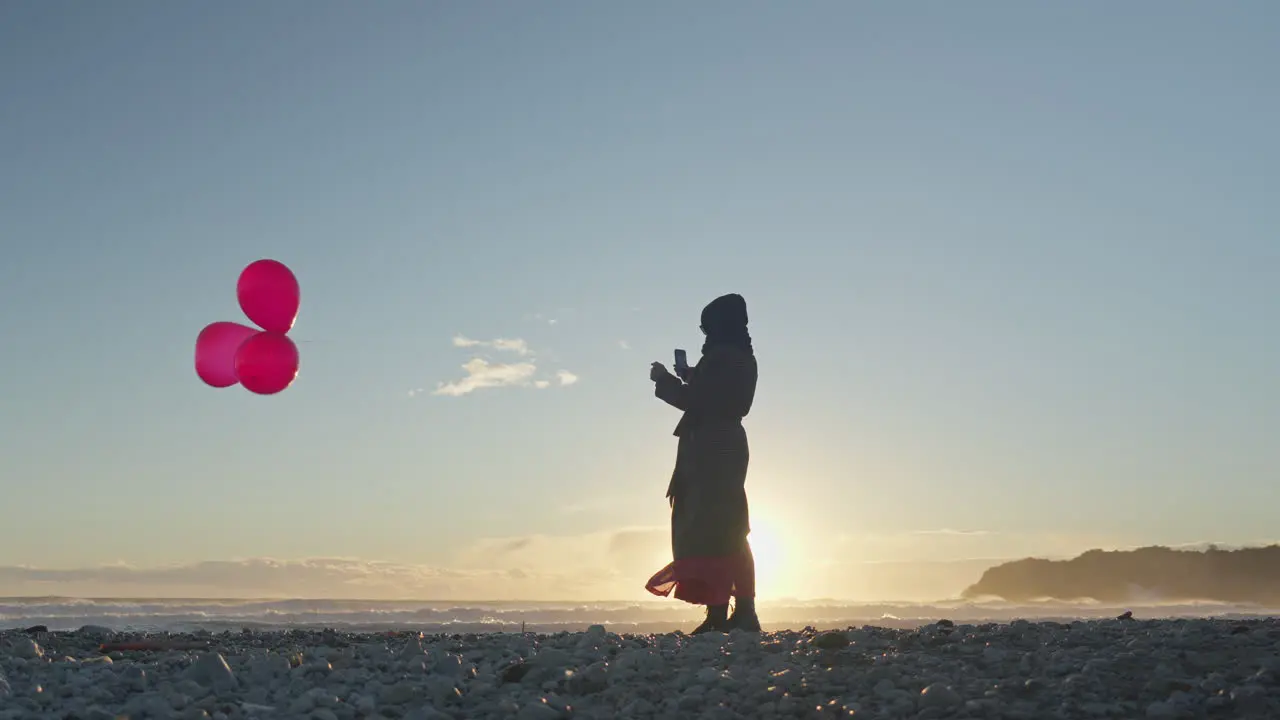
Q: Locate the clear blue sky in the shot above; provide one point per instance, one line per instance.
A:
(1012, 270)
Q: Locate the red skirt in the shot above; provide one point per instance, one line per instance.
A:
(705, 580)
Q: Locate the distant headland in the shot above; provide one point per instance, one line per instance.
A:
(1243, 575)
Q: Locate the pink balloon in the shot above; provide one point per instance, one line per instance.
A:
(267, 363)
(268, 293)
(216, 347)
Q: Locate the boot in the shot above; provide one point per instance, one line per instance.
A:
(716, 620)
(744, 615)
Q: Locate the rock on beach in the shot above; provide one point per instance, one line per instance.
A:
(1128, 668)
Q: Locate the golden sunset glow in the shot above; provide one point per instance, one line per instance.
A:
(776, 561)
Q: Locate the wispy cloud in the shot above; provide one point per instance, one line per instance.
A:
(483, 374)
(624, 345)
(634, 551)
(338, 578)
(601, 503)
(947, 544)
(514, 345)
(316, 577)
(601, 565)
(589, 566)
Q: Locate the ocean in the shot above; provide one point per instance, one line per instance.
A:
(215, 615)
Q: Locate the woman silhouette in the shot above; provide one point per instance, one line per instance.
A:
(709, 517)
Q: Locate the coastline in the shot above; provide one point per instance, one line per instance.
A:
(186, 615)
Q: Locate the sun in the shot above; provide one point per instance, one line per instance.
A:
(774, 564)
(764, 545)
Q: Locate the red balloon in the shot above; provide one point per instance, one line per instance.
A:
(267, 363)
(269, 294)
(216, 347)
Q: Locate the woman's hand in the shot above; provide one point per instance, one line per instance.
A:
(657, 372)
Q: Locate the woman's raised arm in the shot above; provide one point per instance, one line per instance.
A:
(711, 384)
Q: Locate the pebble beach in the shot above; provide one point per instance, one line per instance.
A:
(1189, 668)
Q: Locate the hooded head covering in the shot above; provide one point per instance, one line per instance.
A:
(724, 320)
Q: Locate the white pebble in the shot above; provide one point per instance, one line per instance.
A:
(26, 649)
(211, 670)
(1165, 671)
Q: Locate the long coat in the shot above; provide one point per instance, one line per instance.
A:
(709, 515)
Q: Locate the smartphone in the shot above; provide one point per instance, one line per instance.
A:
(682, 362)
